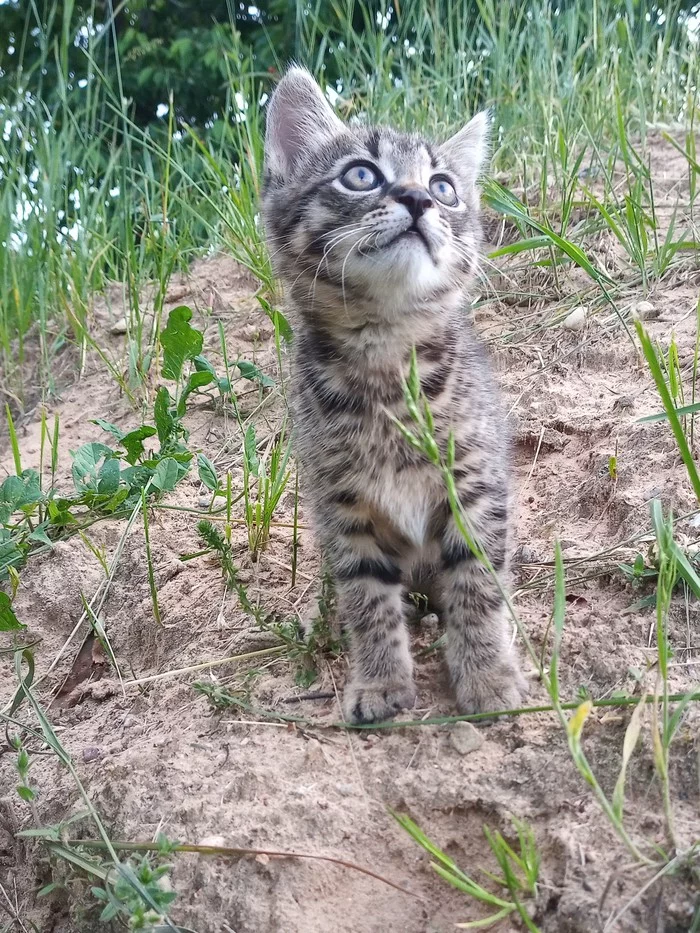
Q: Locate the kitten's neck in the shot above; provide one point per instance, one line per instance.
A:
(381, 347)
(396, 318)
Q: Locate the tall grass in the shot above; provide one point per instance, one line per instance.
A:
(87, 196)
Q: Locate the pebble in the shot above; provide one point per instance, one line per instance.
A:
(526, 555)
(576, 319)
(465, 738)
(646, 311)
(430, 620)
(213, 842)
(91, 753)
(119, 327)
(347, 790)
(132, 722)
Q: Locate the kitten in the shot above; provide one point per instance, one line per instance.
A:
(374, 234)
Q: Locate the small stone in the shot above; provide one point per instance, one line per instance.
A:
(576, 320)
(465, 738)
(347, 790)
(623, 403)
(91, 753)
(119, 327)
(646, 311)
(213, 842)
(525, 555)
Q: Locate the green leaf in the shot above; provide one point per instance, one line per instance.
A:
(663, 415)
(59, 512)
(85, 465)
(26, 793)
(180, 342)
(133, 442)
(196, 381)
(48, 889)
(251, 371)
(521, 246)
(166, 475)
(39, 534)
(19, 491)
(8, 620)
(108, 477)
(207, 472)
(661, 387)
(107, 426)
(202, 365)
(278, 319)
(249, 450)
(113, 504)
(137, 476)
(165, 423)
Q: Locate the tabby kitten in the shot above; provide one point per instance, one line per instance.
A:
(374, 234)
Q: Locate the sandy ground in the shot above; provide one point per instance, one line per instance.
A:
(155, 758)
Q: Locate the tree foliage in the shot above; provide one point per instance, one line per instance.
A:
(149, 50)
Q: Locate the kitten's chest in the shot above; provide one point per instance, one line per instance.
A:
(397, 480)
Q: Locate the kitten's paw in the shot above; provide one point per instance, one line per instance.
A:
(500, 687)
(378, 700)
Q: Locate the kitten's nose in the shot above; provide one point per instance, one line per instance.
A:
(417, 200)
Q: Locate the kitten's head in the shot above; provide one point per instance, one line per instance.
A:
(367, 213)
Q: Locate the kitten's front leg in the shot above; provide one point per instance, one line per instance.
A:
(381, 669)
(483, 665)
(370, 606)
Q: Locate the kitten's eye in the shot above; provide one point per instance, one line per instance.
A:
(443, 191)
(362, 177)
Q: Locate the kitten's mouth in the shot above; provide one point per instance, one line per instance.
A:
(414, 232)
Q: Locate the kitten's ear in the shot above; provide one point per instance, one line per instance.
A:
(468, 150)
(299, 119)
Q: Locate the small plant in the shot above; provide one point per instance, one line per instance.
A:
(668, 391)
(124, 901)
(224, 697)
(218, 545)
(519, 864)
(24, 788)
(264, 480)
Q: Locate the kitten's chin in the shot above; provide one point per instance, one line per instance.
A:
(404, 271)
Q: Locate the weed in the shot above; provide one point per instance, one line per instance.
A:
(218, 545)
(123, 900)
(519, 864)
(264, 480)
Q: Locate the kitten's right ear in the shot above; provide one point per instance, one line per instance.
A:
(468, 149)
(299, 119)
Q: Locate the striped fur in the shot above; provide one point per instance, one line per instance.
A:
(368, 275)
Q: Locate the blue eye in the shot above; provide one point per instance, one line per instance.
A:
(443, 190)
(361, 177)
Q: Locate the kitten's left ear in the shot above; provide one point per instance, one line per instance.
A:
(468, 150)
(299, 119)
